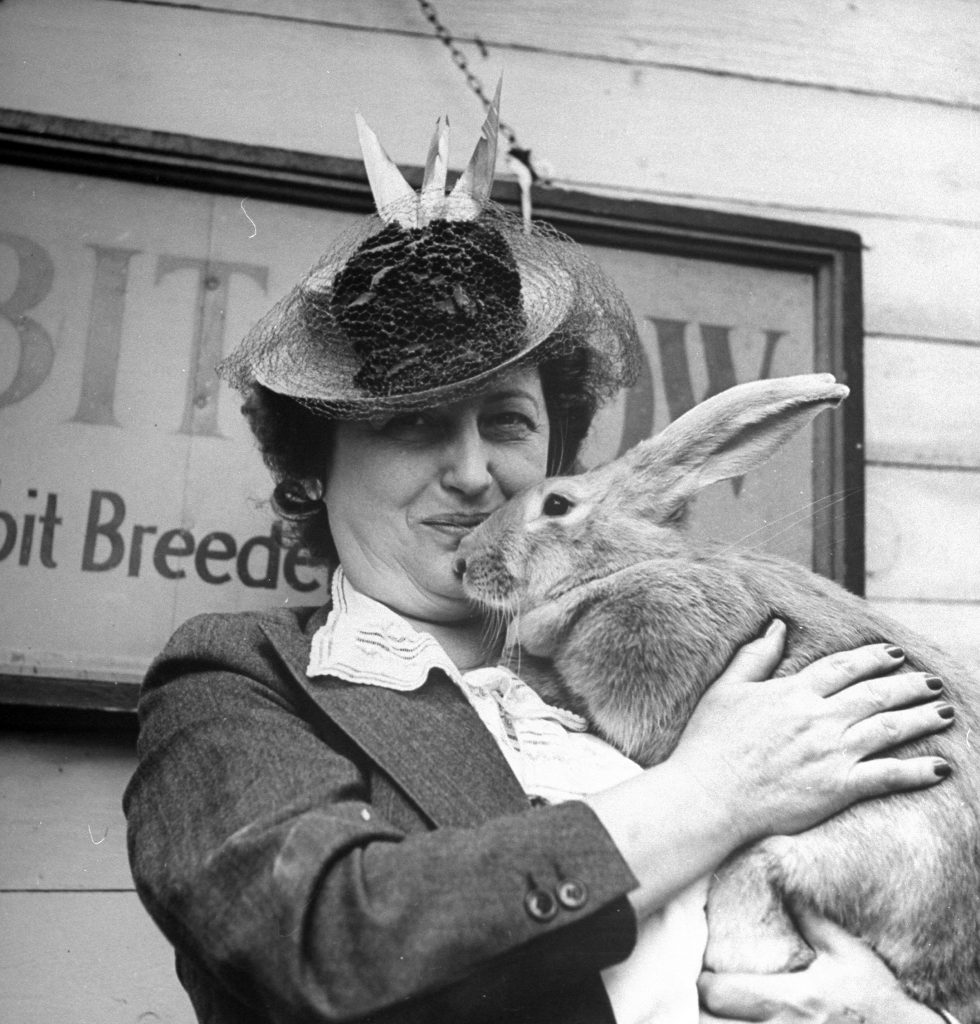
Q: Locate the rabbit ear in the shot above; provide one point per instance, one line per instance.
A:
(727, 435)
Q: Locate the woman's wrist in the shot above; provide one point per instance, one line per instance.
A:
(653, 816)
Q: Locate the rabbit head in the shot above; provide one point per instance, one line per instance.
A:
(572, 530)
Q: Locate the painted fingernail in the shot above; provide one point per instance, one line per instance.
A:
(894, 652)
(946, 711)
(934, 682)
(942, 768)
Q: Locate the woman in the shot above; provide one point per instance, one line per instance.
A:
(348, 813)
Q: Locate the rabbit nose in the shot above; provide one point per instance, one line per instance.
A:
(459, 567)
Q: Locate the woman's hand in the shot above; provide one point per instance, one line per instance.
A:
(764, 757)
(845, 984)
(779, 757)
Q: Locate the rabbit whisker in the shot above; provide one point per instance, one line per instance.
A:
(493, 627)
(805, 508)
(515, 637)
(792, 525)
(795, 517)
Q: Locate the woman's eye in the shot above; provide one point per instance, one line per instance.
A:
(556, 505)
(511, 424)
(406, 425)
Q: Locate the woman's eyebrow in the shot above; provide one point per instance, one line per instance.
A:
(496, 396)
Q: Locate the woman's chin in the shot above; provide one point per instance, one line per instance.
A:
(448, 591)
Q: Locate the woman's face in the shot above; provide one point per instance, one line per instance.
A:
(403, 489)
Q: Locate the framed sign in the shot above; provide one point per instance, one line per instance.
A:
(131, 495)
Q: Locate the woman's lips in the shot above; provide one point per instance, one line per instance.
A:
(455, 524)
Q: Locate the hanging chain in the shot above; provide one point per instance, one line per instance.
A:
(517, 152)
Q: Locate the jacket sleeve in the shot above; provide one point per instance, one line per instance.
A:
(255, 847)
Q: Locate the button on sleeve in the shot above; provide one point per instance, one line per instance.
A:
(572, 894)
(540, 905)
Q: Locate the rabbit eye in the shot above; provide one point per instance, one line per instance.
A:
(555, 505)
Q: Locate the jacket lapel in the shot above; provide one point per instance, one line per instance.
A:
(430, 742)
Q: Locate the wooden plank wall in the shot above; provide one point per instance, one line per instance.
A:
(76, 945)
(862, 115)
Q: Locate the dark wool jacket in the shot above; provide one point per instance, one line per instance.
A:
(321, 851)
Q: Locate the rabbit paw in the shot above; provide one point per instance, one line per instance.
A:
(749, 928)
(757, 952)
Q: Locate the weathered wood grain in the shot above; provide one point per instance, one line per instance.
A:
(925, 48)
(602, 123)
(85, 958)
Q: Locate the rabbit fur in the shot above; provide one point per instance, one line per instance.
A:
(617, 614)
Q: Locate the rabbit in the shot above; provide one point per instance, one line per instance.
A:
(617, 614)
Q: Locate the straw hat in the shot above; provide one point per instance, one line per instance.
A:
(426, 301)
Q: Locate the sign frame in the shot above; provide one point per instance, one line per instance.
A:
(830, 257)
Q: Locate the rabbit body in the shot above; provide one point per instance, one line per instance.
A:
(620, 617)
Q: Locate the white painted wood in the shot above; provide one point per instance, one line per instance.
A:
(61, 820)
(955, 627)
(921, 278)
(597, 123)
(922, 402)
(927, 48)
(923, 534)
(85, 958)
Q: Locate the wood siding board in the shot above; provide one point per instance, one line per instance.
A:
(921, 279)
(924, 49)
(927, 339)
(61, 812)
(754, 141)
(95, 695)
(922, 403)
(923, 534)
(88, 958)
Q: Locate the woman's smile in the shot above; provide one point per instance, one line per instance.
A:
(455, 525)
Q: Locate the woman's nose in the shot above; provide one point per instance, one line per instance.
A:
(467, 463)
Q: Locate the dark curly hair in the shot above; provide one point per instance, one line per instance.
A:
(293, 441)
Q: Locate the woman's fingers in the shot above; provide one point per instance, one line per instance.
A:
(885, 693)
(883, 708)
(826, 936)
(882, 776)
(757, 660)
(743, 997)
(882, 730)
(885, 713)
(836, 672)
